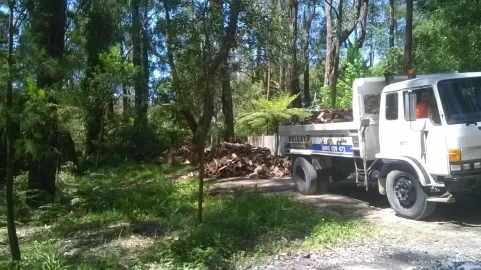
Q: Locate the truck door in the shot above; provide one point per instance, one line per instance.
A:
(424, 139)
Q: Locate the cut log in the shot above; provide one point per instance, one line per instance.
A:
(236, 159)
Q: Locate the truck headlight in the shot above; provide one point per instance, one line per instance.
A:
(477, 165)
(466, 166)
(456, 167)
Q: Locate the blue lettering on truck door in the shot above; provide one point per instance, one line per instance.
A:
(325, 144)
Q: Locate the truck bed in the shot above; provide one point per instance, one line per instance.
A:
(329, 139)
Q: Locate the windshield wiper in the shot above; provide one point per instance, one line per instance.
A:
(471, 123)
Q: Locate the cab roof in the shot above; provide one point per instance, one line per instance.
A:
(423, 80)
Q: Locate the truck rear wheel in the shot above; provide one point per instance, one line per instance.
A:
(407, 197)
(304, 176)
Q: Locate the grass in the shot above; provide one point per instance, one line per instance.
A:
(133, 217)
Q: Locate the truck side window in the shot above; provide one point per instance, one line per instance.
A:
(392, 106)
(426, 106)
(372, 103)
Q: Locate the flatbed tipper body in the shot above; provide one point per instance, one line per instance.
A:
(411, 158)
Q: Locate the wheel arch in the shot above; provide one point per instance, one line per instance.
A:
(405, 164)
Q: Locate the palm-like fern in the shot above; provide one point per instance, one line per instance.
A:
(266, 115)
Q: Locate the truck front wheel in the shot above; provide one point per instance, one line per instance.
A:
(305, 176)
(407, 197)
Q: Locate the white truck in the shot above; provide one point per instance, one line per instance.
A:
(419, 144)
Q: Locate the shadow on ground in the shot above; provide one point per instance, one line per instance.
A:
(346, 197)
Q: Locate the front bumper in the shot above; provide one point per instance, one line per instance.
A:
(464, 183)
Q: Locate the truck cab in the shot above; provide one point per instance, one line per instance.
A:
(418, 140)
(429, 125)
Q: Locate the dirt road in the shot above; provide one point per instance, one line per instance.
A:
(450, 239)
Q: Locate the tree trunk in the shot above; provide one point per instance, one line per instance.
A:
(391, 23)
(336, 56)
(48, 23)
(140, 118)
(144, 100)
(329, 64)
(307, 28)
(125, 91)
(184, 111)
(99, 39)
(371, 50)
(408, 46)
(276, 151)
(227, 106)
(210, 69)
(333, 45)
(363, 24)
(295, 89)
(12, 231)
(268, 81)
(258, 61)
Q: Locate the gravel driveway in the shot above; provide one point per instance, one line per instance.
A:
(450, 239)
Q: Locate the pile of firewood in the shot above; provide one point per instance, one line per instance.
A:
(236, 159)
(326, 116)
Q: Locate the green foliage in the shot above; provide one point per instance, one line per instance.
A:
(352, 66)
(393, 63)
(266, 115)
(251, 222)
(446, 37)
(42, 255)
(167, 125)
(36, 121)
(101, 210)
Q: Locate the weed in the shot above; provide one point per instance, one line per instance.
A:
(252, 223)
(99, 217)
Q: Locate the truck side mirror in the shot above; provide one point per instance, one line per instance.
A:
(410, 106)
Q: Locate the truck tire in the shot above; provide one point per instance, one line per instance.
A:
(407, 197)
(304, 176)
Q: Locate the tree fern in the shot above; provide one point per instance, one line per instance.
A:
(266, 115)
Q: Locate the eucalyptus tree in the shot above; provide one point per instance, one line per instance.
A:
(337, 34)
(14, 21)
(47, 27)
(195, 64)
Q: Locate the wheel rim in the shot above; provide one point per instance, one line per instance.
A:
(405, 192)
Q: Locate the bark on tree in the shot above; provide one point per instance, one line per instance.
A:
(144, 98)
(335, 38)
(311, 11)
(258, 61)
(295, 89)
(140, 83)
(201, 126)
(227, 106)
(391, 23)
(363, 24)
(183, 110)
(99, 33)
(12, 231)
(48, 23)
(208, 102)
(330, 34)
(125, 90)
(336, 55)
(408, 46)
(371, 50)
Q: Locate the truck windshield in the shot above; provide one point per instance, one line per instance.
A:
(461, 100)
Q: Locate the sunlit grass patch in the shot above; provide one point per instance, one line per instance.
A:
(254, 224)
(132, 216)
